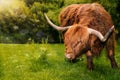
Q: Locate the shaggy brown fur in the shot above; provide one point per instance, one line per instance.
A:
(76, 45)
(91, 15)
(87, 15)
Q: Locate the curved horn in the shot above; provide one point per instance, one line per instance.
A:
(99, 35)
(55, 26)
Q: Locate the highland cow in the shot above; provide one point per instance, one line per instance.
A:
(87, 28)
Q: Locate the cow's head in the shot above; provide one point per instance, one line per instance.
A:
(76, 38)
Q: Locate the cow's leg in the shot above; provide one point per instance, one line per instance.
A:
(110, 49)
(110, 55)
(89, 56)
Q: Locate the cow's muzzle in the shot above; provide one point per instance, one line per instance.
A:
(70, 57)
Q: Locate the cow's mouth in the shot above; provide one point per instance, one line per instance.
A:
(72, 61)
(71, 58)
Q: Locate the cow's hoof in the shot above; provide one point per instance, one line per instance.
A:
(115, 66)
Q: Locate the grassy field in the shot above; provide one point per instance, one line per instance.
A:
(46, 62)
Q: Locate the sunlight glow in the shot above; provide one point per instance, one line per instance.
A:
(13, 7)
(5, 2)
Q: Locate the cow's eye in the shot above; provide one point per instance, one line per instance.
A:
(78, 42)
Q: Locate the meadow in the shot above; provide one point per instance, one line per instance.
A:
(47, 62)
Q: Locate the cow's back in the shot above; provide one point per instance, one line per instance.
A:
(91, 15)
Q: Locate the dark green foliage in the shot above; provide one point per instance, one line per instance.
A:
(26, 23)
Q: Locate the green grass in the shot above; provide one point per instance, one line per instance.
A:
(46, 62)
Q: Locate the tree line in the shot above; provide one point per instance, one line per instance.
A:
(23, 21)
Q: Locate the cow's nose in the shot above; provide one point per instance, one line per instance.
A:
(70, 57)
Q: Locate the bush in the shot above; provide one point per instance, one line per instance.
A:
(41, 62)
